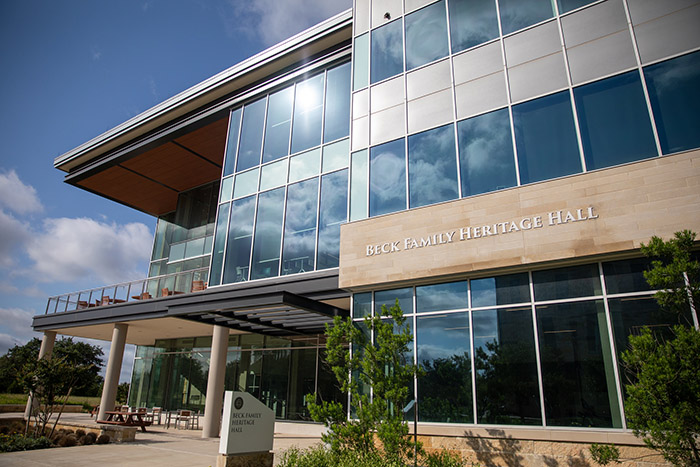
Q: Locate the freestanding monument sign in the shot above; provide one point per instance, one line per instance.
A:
(247, 432)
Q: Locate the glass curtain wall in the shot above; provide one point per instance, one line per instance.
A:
(540, 348)
(280, 372)
(285, 181)
(183, 242)
(540, 136)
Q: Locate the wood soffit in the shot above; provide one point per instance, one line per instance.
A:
(150, 181)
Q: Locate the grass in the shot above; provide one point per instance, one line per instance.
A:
(6, 398)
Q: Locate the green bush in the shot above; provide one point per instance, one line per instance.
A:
(322, 457)
(19, 442)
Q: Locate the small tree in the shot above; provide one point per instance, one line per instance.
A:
(122, 393)
(383, 366)
(663, 399)
(50, 382)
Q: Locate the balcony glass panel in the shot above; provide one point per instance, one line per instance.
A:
(358, 186)
(361, 62)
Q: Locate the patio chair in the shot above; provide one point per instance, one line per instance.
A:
(198, 286)
(185, 417)
(155, 414)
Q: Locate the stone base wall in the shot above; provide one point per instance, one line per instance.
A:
(19, 408)
(254, 459)
(507, 451)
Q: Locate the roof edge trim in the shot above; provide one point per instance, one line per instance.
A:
(173, 103)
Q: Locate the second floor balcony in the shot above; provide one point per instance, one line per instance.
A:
(143, 289)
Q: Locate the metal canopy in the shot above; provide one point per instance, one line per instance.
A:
(276, 314)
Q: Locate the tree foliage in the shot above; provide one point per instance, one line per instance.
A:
(670, 260)
(383, 366)
(663, 398)
(87, 357)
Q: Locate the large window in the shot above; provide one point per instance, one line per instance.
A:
(426, 35)
(432, 167)
(472, 22)
(674, 91)
(493, 354)
(386, 51)
(280, 211)
(387, 178)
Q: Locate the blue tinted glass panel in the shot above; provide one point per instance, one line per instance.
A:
(337, 116)
(546, 138)
(217, 257)
(240, 237)
(568, 5)
(507, 391)
(251, 135)
(432, 167)
(519, 14)
(445, 391)
(426, 35)
(308, 107)
(279, 119)
(577, 372)
(486, 155)
(232, 142)
(332, 213)
(362, 305)
(439, 297)
(300, 227)
(674, 91)
(388, 298)
(472, 22)
(500, 290)
(360, 60)
(626, 275)
(387, 178)
(268, 234)
(614, 121)
(387, 51)
(575, 281)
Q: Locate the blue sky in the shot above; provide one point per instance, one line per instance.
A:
(71, 70)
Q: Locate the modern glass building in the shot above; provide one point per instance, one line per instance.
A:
(492, 164)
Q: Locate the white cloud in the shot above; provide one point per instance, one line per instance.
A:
(69, 249)
(13, 235)
(18, 322)
(272, 21)
(95, 53)
(16, 196)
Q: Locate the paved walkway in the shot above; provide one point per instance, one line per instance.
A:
(157, 447)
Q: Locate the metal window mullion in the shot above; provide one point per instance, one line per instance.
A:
(226, 235)
(471, 352)
(537, 349)
(454, 100)
(415, 352)
(509, 97)
(613, 349)
(284, 224)
(638, 58)
(323, 109)
(577, 127)
(262, 142)
(318, 219)
(252, 235)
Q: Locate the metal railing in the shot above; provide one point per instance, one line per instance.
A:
(142, 289)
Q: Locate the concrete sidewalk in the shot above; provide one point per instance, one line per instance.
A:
(157, 447)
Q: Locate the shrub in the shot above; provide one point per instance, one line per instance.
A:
(605, 453)
(68, 441)
(443, 459)
(323, 457)
(79, 433)
(103, 439)
(19, 442)
(92, 437)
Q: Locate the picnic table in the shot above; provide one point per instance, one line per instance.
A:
(126, 419)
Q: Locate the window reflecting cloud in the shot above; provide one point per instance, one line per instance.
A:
(432, 166)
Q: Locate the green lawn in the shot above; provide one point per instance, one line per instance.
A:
(72, 400)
